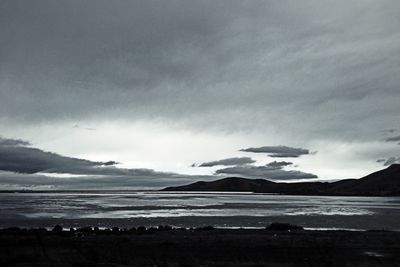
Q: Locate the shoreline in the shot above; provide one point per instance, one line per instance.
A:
(188, 192)
(103, 228)
(360, 222)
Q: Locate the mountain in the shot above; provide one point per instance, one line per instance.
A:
(385, 182)
(381, 183)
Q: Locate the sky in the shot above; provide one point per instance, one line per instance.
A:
(145, 94)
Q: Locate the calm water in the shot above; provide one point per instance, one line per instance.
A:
(188, 209)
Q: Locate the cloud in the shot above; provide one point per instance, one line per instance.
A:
(22, 166)
(265, 172)
(278, 151)
(393, 139)
(26, 167)
(109, 171)
(390, 131)
(279, 70)
(389, 161)
(11, 181)
(110, 163)
(278, 164)
(15, 156)
(262, 65)
(272, 171)
(228, 162)
(13, 142)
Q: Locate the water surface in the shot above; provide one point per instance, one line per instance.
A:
(191, 208)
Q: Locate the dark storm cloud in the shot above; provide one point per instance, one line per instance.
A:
(228, 162)
(393, 139)
(266, 172)
(278, 151)
(289, 65)
(24, 167)
(16, 157)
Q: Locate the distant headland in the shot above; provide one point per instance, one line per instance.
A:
(385, 182)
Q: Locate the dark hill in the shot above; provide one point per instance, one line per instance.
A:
(227, 184)
(381, 183)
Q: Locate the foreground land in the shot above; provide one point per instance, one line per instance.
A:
(198, 247)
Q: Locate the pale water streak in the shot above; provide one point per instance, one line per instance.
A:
(138, 204)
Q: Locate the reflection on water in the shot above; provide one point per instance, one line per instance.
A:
(168, 204)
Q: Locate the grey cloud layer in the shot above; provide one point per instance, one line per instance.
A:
(15, 156)
(21, 167)
(289, 65)
(278, 151)
(228, 162)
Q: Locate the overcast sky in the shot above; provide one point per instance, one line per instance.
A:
(176, 91)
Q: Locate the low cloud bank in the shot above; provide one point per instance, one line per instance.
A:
(228, 162)
(278, 151)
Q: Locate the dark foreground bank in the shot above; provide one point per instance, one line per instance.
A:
(198, 247)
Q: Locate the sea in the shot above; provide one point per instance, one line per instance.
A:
(196, 209)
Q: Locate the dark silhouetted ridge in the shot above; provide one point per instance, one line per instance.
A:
(234, 184)
(381, 183)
